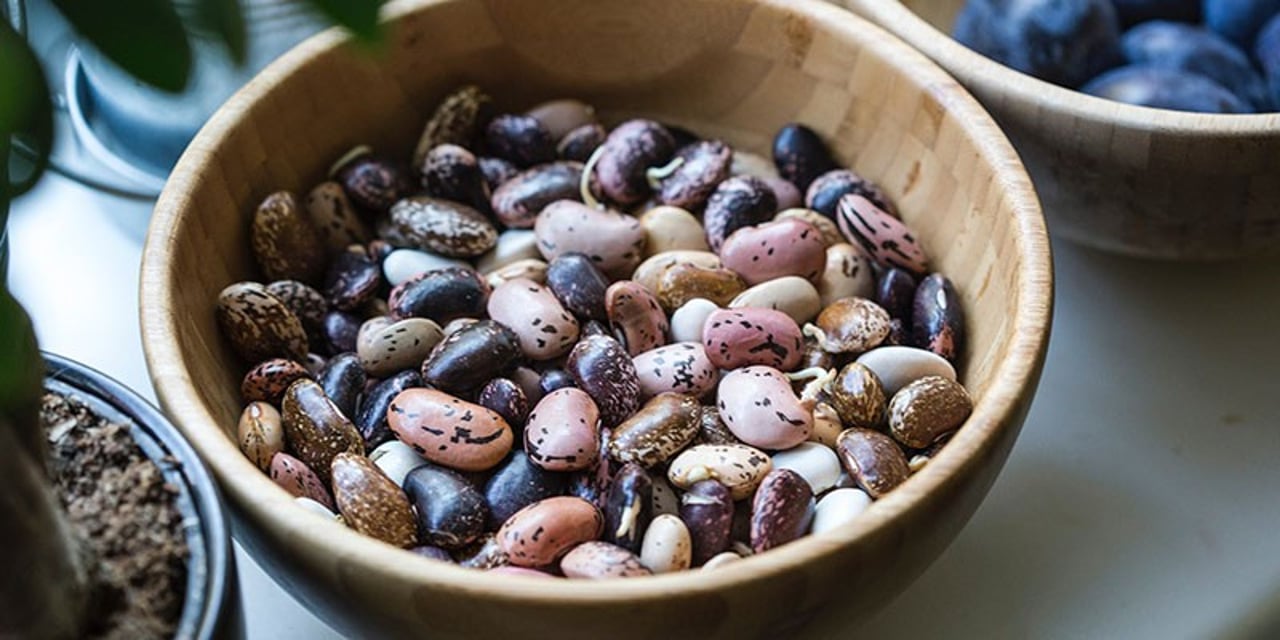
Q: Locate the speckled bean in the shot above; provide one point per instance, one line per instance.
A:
(636, 315)
(684, 282)
(703, 166)
(451, 512)
(309, 305)
(885, 238)
(850, 325)
(752, 336)
(579, 285)
(519, 200)
(563, 431)
(857, 396)
(284, 241)
(682, 367)
(926, 409)
(762, 252)
(758, 405)
(650, 272)
(371, 182)
(260, 433)
(449, 431)
(444, 227)
(671, 229)
(537, 535)
(294, 476)
(516, 484)
(825, 192)
(630, 150)
(519, 139)
(826, 425)
(781, 510)
(507, 399)
(544, 329)
(737, 202)
(343, 380)
(398, 346)
(711, 428)
(371, 418)
(601, 560)
(471, 357)
(603, 369)
(847, 274)
(707, 510)
(738, 467)
(825, 226)
(791, 295)
(800, 155)
(370, 502)
(666, 547)
(451, 172)
(873, 460)
(456, 120)
(315, 428)
(614, 241)
(268, 379)
(440, 295)
(664, 426)
(334, 218)
(258, 325)
(937, 318)
(628, 507)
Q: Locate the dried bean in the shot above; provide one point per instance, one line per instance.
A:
(260, 433)
(926, 409)
(284, 241)
(600, 560)
(579, 285)
(520, 139)
(343, 380)
(450, 172)
(937, 318)
(294, 476)
(537, 535)
(315, 428)
(563, 431)
(371, 419)
(258, 325)
(759, 407)
(516, 484)
(664, 426)
(451, 512)
(441, 295)
(781, 510)
(520, 199)
(269, 378)
(873, 460)
(738, 202)
(370, 502)
(666, 547)
(707, 510)
(800, 155)
(628, 508)
(629, 151)
(449, 431)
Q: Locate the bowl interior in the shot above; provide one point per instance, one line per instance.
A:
(734, 70)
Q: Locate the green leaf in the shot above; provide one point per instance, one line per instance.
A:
(26, 113)
(358, 16)
(224, 18)
(144, 37)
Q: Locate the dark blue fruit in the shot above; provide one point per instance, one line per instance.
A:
(1183, 47)
(1239, 20)
(1165, 89)
(1065, 42)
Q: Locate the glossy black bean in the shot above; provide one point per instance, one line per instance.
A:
(740, 201)
(937, 318)
(628, 507)
(579, 285)
(518, 483)
(451, 511)
(826, 190)
(441, 295)
(553, 379)
(519, 139)
(520, 199)
(602, 367)
(371, 418)
(353, 278)
(801, 155)
(340, 331)
(707, 509)
(472, 356)
(453, 173)
(896, 292)
(343, 380)
(505, 397)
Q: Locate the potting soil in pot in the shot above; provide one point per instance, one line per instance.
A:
(121, 507)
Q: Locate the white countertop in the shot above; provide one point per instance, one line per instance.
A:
(1140, 500)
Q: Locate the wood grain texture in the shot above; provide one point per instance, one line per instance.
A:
(1133, 180)
(724, 68)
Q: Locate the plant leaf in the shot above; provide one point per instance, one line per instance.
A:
(145, 37)
(25, 112)
(358, 16)
(224, 18)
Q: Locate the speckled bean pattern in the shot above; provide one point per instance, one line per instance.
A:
(455, 120)
(781, 510)
(873, 460)
(926, 409)
(636, 315)
(937, 318)
(370, 502)
(885, 238)
(738, 467)
(579, 285)
(650, 272)
(447, 228)
(614, 241)
(664, 426)
(602, 560)
(563, 431)
(294, 476)
(449, 431)
(540, 533)
(752, 336)
(627, 153)
(397, 346)
(738, 202)
(758, 405)
(789, 247)
(683, 367)
(440, 295)
(703, 166)
(851, 325)
(284, 241)
(519, 200)
(260, 433)
(258, 325)
(269, 379)
(602, 367)
(334, 218)
(857, 396)
(684, 282)
(543, 327)
(315, 429)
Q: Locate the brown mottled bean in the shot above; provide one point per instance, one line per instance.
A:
(684, 282)
(927, 409)
(260, 433)
(636, 315)
(269, 378)
(857, 396)
(451, 172)
(258, 325)
(284, 241)
(850, 325)
(873, 460)
(456, 120)
(664, 426)
(443, 227)
(315, 428)
(370, 502)
(334, 218)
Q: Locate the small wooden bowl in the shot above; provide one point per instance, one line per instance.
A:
(1134, 180)
(736, 70)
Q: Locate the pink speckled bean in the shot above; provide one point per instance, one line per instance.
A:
(885, 238)
(563, 431)
(544, 329)
(759, 406)
(742, 337)
(298, 479)
(540, 533)
(601, 560)
(636, 314)
(449, 431)
(787, 247)
(682, 367)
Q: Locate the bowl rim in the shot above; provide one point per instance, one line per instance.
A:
(1012, 380)
(995, 78)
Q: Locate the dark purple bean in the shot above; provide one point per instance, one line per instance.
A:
(505, 397)
(800, 155)
(579, 285)
(520, 199)
(707, 509)
(937, 318)
(373, 183)
(580, 143)
(825, 192)
(496, 171)
(631, 149)
(553, 379)
(628, 507)
(340, 331)
(740, 201)
(593, 484)
(518, 483)
(781, 510)
(441, 295)
(343, 380)
(602, 367)
(371, 418)
(705, 165)
(711, 428)
(451, 511)
(353, 279)
(453, 173)
(520, 139)
(896, 292)
(471, 357)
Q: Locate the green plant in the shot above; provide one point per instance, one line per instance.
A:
(44, 573)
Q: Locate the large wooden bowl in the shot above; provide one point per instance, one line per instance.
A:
(724, 68)
(1134, 180)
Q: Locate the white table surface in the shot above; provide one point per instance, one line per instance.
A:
(1140, 500)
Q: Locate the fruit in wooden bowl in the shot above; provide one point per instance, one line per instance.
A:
(732, 70)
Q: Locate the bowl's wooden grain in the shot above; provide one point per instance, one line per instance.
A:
(723, 67)
(1134, 180)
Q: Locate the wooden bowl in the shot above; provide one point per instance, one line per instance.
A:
(733, 69)
(1134, 180)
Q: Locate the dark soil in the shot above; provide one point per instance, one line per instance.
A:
(120, 505)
